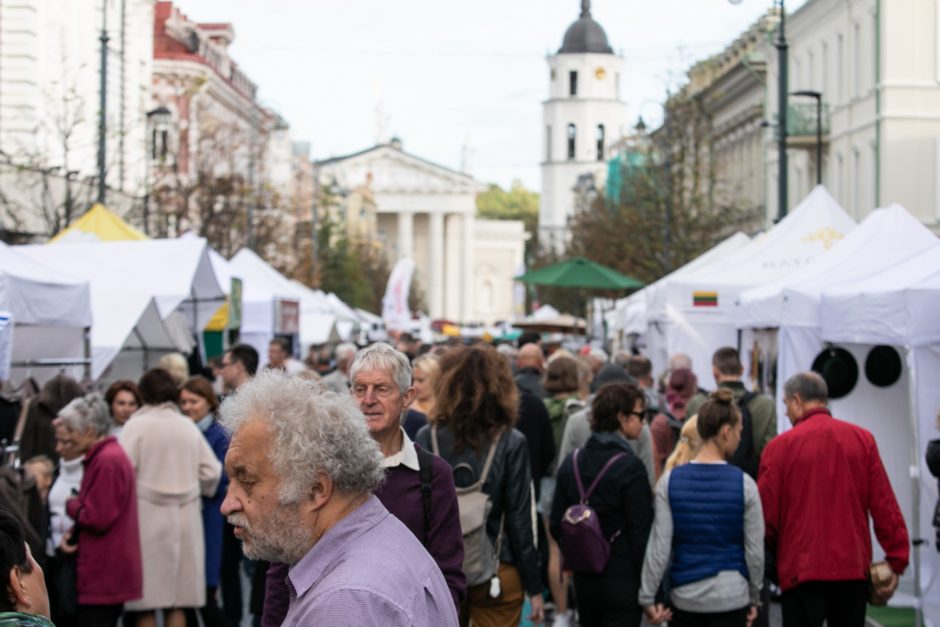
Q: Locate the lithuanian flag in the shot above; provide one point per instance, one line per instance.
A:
(704, 299)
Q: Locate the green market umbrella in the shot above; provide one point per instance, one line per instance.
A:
(580, 272)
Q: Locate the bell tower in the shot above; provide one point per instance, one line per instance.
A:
(581, 120)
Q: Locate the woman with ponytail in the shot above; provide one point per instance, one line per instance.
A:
(709, 518)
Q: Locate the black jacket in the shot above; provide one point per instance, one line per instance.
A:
(537, 428)
(623, 501)
(530, 380)
(509, 487)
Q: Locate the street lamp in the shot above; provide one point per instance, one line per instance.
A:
(807, 93)
(780, 43)
(158, 121)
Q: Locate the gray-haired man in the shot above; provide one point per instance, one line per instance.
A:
(302, 468)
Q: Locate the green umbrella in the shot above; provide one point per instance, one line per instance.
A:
(580, 272)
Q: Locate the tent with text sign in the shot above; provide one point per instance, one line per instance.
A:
(894, 311)
(699, 306)
(642, 313)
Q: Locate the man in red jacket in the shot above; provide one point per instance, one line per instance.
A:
(819, 483)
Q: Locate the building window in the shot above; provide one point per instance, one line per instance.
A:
(160, 144)
(548, 142)
(600, 142)
(572, 83)
(857, 60)
(572, 134)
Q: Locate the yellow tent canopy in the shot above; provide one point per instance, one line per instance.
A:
(101, 224)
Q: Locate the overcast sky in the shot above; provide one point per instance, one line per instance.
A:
(444, 74)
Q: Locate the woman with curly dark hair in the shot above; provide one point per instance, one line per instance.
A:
(476, 408)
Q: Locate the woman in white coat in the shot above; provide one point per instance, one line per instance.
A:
(174, 467)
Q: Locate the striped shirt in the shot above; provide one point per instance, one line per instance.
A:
(368, 569)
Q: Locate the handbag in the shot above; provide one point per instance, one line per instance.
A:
(64, 593)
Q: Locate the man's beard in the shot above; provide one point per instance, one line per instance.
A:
(281, 537)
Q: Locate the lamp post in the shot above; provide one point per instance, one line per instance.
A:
(780, 43)
(103, 105)
(158, 121)
(807, 93)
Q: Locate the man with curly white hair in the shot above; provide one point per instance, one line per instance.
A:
(302, 469)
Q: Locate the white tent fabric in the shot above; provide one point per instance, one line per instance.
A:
(809, 230)
(39, 295)
(885, 238)
(897, 306)
(50, 311)
(129, 283)
(177, 273)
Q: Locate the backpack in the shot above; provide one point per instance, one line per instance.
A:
(480, 554)
(745, 457)
(583, 545)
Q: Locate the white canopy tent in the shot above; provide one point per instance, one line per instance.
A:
(699, 306)
(898, 307)
(50, 313)
(174, 276)
(637, 312)
(263, 285)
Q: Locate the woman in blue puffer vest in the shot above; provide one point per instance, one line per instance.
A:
(709, 518)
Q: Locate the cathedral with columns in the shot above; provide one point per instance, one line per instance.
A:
(583, 119)
(426, 212)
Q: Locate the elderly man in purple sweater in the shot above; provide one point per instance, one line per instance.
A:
(380, 379)
(302, 469)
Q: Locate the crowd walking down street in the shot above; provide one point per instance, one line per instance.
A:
(310, 504)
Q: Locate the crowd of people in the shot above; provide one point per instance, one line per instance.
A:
(444, 485)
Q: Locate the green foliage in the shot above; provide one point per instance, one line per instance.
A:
(516, 204)
(352, 270)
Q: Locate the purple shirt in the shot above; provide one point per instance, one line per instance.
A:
(369, 569)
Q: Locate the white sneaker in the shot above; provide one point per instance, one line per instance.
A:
(562, 620)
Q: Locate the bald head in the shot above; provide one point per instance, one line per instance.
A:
(530, 356)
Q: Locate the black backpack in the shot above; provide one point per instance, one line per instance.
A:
(745, 457)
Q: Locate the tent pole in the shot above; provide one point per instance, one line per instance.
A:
(86, 349)
(915, 484)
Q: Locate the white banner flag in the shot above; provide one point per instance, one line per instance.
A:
(395, 309)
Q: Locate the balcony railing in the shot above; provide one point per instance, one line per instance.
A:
(801, 119)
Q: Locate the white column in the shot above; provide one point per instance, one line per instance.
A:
(405, 235)
(436, 270)
(466, 268)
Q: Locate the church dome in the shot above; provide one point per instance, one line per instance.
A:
(585, 35)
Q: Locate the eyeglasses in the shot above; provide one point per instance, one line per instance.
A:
(382, 391)
(638, 414)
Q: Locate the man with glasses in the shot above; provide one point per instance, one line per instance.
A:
(239, 364)
(418, 488)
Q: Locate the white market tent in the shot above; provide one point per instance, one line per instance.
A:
(637, 312)
(699, 306)
(898, 307)
(262, 286)
(50, 311)
(127, 278)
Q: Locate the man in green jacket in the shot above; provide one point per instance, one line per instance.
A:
(26, 601)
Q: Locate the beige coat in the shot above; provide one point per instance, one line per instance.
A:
(174, 466)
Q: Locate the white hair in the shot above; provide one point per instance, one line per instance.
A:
(382, 356)
(344, 351)
(314, 430)
(87, 412)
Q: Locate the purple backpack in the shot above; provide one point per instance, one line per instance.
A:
(583, 545)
